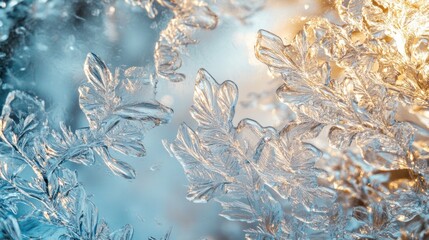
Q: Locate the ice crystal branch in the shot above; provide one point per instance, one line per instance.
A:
(361, 110)
(33, 153)
(353, 163)
(189, 16)
(398, 31)
(252, 171)
(119, 112)
(33, 178)
(358, 108)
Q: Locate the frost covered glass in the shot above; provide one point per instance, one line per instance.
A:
(33, 152)
(346, 156)
(352, 163)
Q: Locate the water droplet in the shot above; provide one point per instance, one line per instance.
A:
(20, 30)
(4, 37)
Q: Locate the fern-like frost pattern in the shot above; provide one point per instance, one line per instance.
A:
(254, 172)
(120, 112)
(41, 198)
(353, 162)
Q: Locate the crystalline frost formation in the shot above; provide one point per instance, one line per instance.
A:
(353, 163)
(120, 108)
(33, 151)
(188, 16)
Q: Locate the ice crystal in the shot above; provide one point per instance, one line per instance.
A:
(33, 179)
(189, 16)
(18, 19)
(119, 112)
(353, 163)
(254, 172)
(40, 197)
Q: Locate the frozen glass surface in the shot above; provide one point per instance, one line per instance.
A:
(288, 119)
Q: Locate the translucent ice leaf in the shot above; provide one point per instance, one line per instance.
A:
(188, 16)
(11, 166)
(102, 101)
(269, 49)
(357, 99)
(21, 114)
(65, 144)
(120, 111)
(209, 109)
(270, 218)
(99, 75)
(237, 211)
(200, 17)
(288, 166)
(305, 80)
(88, 220)
(168, 62)
(206, 184)
(204, 174)
(129, 147)
(236, 165)
(118, 167)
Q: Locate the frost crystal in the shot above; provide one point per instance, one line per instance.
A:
(254, 172)
(353, 163)
(119, 112)
(18, 19)
(40, 197)
(189, 16)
